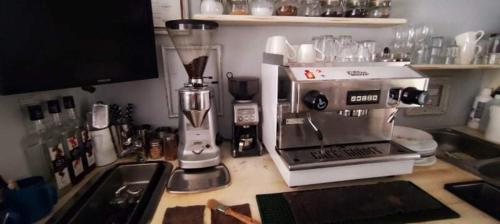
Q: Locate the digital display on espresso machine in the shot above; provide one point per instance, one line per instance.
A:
(360, 97)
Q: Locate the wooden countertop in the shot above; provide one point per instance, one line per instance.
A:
(258, 175)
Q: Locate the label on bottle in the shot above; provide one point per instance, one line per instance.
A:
(87, 148)
(76, 160)
(481, 106)
(60, 169)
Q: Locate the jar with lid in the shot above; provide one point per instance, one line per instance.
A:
(356, 8)
(212, 7)
(155, 149)
(262, 8)
(170, 146)
(286, 7)
(332, 8)
(379, 8)
(238, 7)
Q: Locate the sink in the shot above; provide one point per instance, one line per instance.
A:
(464, 147)
(490, 170)
(475, 155)
(125, 193)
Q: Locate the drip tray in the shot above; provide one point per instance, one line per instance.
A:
(343, 155)
(199, 180)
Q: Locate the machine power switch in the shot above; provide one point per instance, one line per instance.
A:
(315, 100)
(412, 95)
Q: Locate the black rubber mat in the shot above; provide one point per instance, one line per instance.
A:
(389, 202)
(480, 194)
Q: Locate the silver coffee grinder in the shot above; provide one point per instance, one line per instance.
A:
(199, 157)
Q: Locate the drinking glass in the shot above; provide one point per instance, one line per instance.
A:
(452, 53)
(332, 8)
(310, 8)
(371, 47)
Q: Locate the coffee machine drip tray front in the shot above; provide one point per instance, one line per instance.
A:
(344, 155)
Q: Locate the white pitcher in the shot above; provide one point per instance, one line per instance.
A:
(280, 45)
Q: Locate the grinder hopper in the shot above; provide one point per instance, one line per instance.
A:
(192, 40)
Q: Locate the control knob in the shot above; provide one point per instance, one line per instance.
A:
(315, 100)
(412, 95)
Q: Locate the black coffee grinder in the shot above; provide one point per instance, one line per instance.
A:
(246, 116)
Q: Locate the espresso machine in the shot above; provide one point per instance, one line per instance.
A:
(198, 155)
(333, 122)
(245, 141)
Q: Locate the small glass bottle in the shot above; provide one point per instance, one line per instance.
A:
(212, 7)
(155, 149)
(286, 8)
(239, 7)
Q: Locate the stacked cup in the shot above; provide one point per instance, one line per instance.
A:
(467, 42)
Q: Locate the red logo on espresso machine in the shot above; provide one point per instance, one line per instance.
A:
(310, 74)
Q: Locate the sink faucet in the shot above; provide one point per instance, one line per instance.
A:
(136, 148)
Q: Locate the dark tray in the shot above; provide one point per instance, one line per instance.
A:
(480, 194)
(386, 202)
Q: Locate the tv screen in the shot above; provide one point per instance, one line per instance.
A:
(53, 44)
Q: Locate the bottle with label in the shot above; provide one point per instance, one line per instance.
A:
(485, 119)
(34, 148)
(478, 108)
(45, 153)
(69, 142)
(74, 125)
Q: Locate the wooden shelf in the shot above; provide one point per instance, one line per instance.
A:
(453, 67)
(298, 20)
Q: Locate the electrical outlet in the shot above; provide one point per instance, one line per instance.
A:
(439, 91)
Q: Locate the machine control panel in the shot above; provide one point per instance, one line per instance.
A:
(246, 114)
(361, 97)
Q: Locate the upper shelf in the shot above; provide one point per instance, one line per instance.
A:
(453, 67)
(299, 20)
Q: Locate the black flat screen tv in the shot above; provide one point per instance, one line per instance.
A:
(54, 44)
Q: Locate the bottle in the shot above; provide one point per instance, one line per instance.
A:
(478, 108)
(493, 130)
(75, 125)
(69, 142)
(47, 154)
(486, 115)
(34, 148)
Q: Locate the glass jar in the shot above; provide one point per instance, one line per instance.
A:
(356, 8)
(310, 8)
(286, 8)
(155, 149)
(332, 8)
(379, 8)
(262, 8)
(238, 7)
(212, 7)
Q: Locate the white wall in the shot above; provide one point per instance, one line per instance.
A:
(243, 46)
(13, 120)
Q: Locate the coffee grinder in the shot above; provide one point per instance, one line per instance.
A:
(246, 116)
(199, 157)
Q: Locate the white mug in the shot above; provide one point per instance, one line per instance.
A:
(280, 45)
(468, 51)
(296, 49)
(469, 37)
(307, 54)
